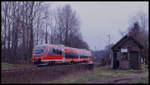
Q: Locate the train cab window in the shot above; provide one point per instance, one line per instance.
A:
(37, 51)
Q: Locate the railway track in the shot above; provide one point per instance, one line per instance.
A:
(34, 67)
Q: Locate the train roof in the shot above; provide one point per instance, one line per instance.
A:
(66, 48)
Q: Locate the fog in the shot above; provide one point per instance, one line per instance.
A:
(100, 19)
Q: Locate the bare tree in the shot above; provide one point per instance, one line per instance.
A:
(28, 23)
(4, 28)
(67, 23)
(139, 25)
(66, 28)
(18, 29)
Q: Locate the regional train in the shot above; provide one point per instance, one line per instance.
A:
(51, 54)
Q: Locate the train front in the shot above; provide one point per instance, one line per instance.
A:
(90, 56)
(37, 54)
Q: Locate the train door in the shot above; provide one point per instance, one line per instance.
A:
(63, 55)
(79, 57)
(89, 56)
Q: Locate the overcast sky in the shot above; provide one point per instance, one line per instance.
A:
(99, 19)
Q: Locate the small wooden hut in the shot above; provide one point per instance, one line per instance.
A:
(127, 53)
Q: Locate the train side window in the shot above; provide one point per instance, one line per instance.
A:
(75, 55)
(68, 55)
(82, 56)
(60, 52)
(49, 51)
(57, 51)
(72, 55)
(54, 51)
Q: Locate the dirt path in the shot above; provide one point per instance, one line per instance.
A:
(126, 78)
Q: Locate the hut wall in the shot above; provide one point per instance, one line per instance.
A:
(134, 54)
(124, 64)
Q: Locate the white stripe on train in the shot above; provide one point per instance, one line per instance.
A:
(63, 60)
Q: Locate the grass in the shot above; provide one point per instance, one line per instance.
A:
(98, 72)
(143, 80)
(144, 67)
(70, 77)
(8, 66)
(80, 77)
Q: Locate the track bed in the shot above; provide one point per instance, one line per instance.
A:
(40, 74)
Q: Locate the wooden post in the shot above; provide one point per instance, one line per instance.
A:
(90, 66)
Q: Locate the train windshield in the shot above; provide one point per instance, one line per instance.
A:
(37, 51)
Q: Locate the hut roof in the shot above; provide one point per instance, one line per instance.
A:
(124, 39)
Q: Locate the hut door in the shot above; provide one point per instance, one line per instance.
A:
(118, 60)
(134, 60)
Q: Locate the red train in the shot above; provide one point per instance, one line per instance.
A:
(51, 54)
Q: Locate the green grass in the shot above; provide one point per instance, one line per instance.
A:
(143, 80)
(101, 72)
(80, 77)
(7, 66)
(98, 72)
(83, 76)
(144, 67)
